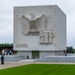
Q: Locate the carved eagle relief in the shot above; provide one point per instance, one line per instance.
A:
(33, 25)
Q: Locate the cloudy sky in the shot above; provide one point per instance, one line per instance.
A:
(6, 17)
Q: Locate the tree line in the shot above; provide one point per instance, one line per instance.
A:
(70, 49)
(6, 45)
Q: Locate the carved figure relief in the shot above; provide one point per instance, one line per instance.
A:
(33, 25)
(46, 37)
(42, 37)
(50, 36)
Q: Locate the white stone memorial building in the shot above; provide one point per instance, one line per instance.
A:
(39, 31)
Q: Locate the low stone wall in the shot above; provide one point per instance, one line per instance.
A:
(61, 59)
(13, 58)
(57, 59)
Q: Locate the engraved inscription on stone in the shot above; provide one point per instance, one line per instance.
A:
(22, 45)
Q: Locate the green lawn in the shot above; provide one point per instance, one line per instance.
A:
(41, 69)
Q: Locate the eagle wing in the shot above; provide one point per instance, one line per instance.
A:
(25, 25)
(41, 23)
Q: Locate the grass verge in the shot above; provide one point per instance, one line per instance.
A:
(41, 69)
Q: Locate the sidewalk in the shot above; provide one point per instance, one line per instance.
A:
(13, 64)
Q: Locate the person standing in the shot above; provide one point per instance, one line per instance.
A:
(2, 59)
(3, 52)
(10, 52)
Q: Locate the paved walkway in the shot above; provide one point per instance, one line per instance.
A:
(14, 64)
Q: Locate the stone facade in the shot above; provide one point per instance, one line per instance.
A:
(39, 30)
